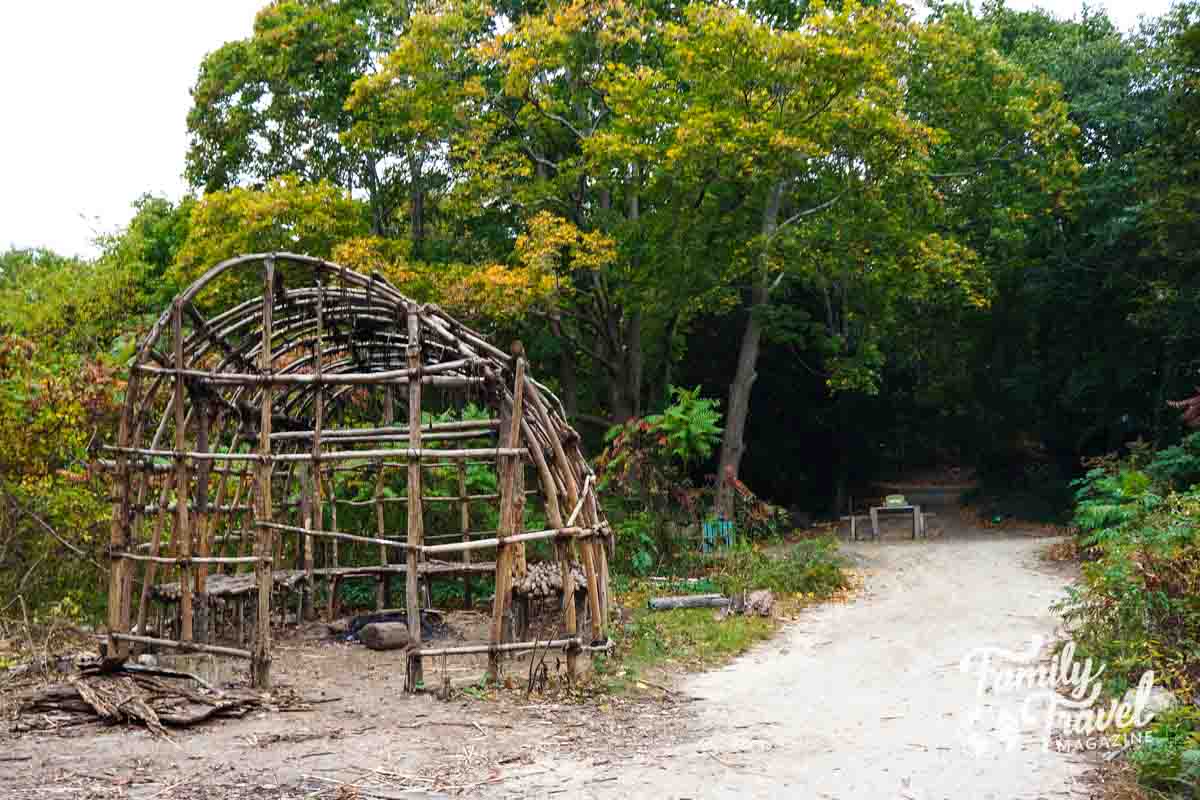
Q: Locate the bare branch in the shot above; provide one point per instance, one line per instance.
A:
(810, 211)
(48, 528)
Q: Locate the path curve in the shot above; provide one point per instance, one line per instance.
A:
(864, 701)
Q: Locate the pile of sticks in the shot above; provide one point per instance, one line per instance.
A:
(158, 702)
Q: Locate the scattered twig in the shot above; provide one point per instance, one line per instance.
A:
(163, 791)
(168, 673)
(672, 692)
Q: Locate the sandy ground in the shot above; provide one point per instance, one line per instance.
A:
(863, 700)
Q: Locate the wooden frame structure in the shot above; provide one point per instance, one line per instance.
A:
(238, 426)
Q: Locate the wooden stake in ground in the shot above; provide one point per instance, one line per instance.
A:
(383, 590)
(118, 608)
(511, 505)
(260, 664)
(465, 524)
(318, 509)
(561, 549)
(416, 518)
(183, 532)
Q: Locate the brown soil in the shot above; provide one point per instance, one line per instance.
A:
(362, 737)
(858, 701)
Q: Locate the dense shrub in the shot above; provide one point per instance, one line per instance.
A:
(1137, 605)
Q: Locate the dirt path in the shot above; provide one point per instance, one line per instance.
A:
(864, 700)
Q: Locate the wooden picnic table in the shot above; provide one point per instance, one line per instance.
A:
(918, 528)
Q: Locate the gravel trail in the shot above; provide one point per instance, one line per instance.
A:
(864, 700)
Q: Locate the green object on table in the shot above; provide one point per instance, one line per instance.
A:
(895, 500)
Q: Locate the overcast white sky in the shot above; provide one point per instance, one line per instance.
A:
(94, 99)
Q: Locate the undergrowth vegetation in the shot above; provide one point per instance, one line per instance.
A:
(694, 638)
(659, 512)
(1137, 606)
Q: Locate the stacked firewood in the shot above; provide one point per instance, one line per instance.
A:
(544, 579)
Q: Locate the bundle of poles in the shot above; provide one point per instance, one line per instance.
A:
(244, 399)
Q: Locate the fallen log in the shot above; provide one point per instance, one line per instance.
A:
(385, 635)
(688, 601)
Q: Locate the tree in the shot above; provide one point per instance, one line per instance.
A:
(542, 108)
(412, 106)
(285, 215)
(275, 104)
(791, 123)
(1081, 286)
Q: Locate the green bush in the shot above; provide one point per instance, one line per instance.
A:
(1137, 604)
(638, 544)
(1178, 466)
(810, 567)
(1168, 759)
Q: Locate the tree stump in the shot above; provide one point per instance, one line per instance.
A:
(385, 635)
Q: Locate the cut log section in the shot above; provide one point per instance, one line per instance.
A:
(385, 635)
(688, 601)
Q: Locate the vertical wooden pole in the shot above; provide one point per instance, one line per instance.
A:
(120, 569)
(416, 516)
(200, 524)
(587, 548)
(510, 509)
(383, 589)
(570, 481)
(164, 497)
(219, 522)
(561, 551)
(239, 623)
(333, 555)
(260, 664)
(306, 514)
(591, 513)
(318, 509)
(247, 527)
(183, 531)
(519, 565)
(383, 596)
(464, 511)
(280, 542)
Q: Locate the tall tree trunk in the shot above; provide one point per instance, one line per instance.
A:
(375, 199)
(618, 394)
(417, 221)
(660, 390)
(633, 330)
(569, 380)
(841, 457)
(633, 362)
(733, 443)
